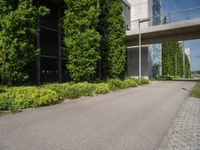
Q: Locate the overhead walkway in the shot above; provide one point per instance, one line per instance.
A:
(175, 31)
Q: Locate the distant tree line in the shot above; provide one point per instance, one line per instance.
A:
(172, 60)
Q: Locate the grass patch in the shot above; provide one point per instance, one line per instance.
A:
(196, 91)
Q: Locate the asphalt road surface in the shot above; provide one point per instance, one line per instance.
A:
(132, 119)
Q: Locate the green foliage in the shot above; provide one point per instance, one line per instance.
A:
(143, 81)
(172, 59)
(60, 89)
(164, 78)
(131, 82)
(116, 84)
(101, 88)
(196, 91)
(17, 34)
(113, 37)
(116, 38)
(15, 98)
(81, 39)
(2, 89)
(83, 89)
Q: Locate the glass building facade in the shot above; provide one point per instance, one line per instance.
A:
(151, 54)
(127, 14)
(156, 49)
(156, 12)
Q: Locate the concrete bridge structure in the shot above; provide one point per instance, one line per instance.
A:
(175, 31)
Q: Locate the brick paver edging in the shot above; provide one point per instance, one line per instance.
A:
(184, 134)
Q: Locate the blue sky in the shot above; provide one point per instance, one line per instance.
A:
(175, 5)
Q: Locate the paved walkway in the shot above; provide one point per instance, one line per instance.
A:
(184, 134)
(132, 119)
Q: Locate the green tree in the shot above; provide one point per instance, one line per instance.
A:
(17, 34)
(114, 49)
(81, 39)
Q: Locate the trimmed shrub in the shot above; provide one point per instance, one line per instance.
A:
(164, 78)
(80, 89)
(60, 89)
(115, 84)
(101, 88)
(72, 90)
(144, 81)
(85, 88)
(15, 98)
(5, 101)
(130, 82)
(2, 89)
(45, 97)
(26, 97)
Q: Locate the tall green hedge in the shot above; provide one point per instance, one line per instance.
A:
(113, 34)
(81, 39)
(17, 34)
(187, 67)
(172, 59)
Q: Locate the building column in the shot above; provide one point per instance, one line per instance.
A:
(126, 63)
(59, 47)
(38, 59)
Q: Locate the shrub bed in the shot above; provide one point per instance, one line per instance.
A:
(26, 97)
(143, 81)
(15, 98)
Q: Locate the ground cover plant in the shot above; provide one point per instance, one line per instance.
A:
(196, 91)
(17, 98)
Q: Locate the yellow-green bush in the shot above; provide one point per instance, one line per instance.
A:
(144, 81)
(2, 89)
(130, 82)
(60, 89)
(101, 88)
(72, 90)
(85, 88)
(115, 84)
(14, 98)
(140, 82)
(26, 97)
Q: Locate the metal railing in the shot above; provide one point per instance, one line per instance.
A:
(185, 14)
